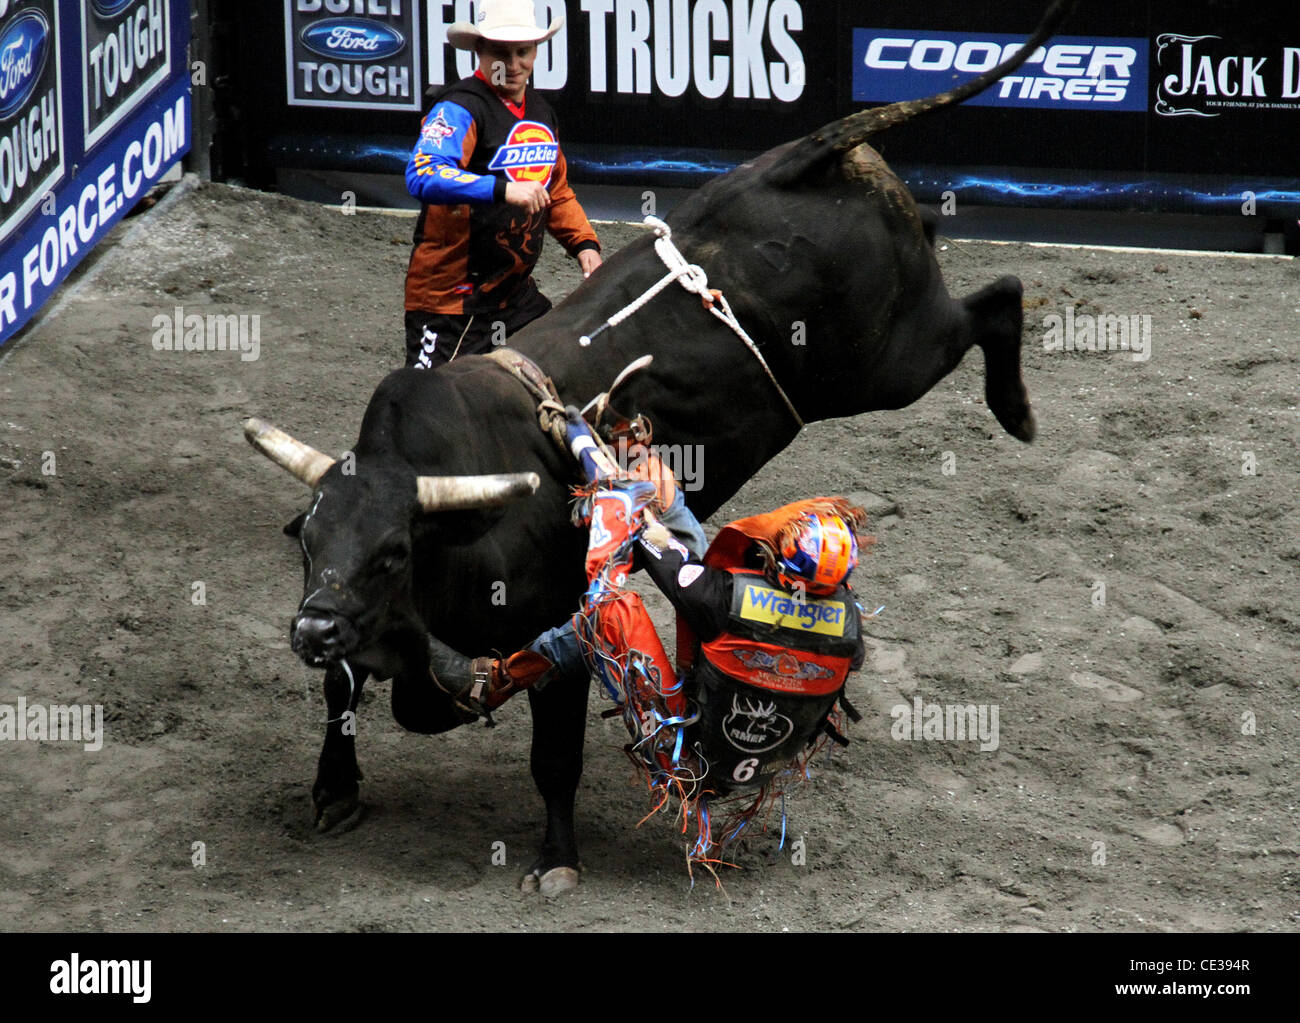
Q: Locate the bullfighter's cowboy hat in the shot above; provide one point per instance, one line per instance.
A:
(502, 21)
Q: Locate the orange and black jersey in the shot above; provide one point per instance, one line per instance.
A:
(716, 603)
(472, 251)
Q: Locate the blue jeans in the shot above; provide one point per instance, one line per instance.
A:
(560, 645)
(683, 524)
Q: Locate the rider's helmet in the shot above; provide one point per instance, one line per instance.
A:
(819, 556)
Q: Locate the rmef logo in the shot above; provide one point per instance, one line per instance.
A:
(1072, 72)
(529, 154)
(24, 45)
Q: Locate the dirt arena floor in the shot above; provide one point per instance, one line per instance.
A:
(1124, 592)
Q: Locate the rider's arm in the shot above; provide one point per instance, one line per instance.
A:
(860, 654)
(701, 595)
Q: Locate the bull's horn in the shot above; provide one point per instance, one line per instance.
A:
(306, 463)
(458, 493)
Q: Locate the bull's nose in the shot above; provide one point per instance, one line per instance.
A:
(316, 639)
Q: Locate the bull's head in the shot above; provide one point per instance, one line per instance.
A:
(358, 545)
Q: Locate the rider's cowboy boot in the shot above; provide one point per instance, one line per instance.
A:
(480, 685)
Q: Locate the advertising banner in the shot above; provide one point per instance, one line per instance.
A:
(367, 60)
(94, 108)
(1071, 72)
(1155, 104)
(31, 110)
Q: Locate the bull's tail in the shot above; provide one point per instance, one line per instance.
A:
(838, 137)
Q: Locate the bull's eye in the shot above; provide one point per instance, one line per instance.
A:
(393, 559)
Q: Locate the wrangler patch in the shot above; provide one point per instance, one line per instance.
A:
(772, 607)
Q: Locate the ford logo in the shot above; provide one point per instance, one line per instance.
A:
(110, 8)
(24, 45)
(353, 39)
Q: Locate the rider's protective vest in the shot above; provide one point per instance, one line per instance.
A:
(766, 683)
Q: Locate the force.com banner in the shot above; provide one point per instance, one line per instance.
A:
(94, 109)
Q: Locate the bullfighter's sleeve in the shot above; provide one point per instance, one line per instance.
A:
(436, 172)
(568, 221)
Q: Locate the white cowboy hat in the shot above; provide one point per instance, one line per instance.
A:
(502, 21)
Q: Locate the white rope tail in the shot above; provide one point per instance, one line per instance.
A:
(693, 278)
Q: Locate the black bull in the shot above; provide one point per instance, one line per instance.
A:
(828, 265)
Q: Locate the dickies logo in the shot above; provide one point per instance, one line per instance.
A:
(529, 154)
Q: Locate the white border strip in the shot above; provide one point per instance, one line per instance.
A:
(1212, 253)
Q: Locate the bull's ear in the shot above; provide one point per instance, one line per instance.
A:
(294, 528)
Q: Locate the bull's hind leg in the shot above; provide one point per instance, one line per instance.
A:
(997, 319)
(559, 731)
(334, 794)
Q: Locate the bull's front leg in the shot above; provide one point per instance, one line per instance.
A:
(559, 731)
(334, 794)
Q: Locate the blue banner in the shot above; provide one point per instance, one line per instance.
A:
(1069, 73)
(95, 107)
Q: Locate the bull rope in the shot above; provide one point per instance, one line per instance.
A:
(692, 277)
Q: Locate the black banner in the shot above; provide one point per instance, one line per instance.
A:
(1228, 974)
(126, 54)
(31, 107)
(362, 56)
(1126, 99)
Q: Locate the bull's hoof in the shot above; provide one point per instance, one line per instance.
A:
(339, 815)
(555, 881)
(1013, 412)
(1026, 430)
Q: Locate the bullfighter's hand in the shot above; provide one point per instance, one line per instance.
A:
(589, 260)
(529, 195)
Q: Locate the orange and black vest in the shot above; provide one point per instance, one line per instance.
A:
(788, 643)
(474, 258)
(765, 684)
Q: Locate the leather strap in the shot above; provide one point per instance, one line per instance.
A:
(550, 410)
